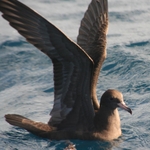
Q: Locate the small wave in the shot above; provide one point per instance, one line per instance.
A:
(108, 67)
(124, 16)
(49, 90)
(10, 43)
(143, 43)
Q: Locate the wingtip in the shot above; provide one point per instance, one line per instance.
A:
(7, 116)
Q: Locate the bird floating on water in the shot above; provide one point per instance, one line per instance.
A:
(76, 113)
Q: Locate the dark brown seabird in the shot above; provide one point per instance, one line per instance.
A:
(76, 113)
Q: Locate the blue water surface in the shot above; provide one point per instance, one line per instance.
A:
(26, 74)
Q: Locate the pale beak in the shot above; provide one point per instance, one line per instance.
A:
(123, 106)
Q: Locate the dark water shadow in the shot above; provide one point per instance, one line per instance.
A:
(11, 43)
(142, 43)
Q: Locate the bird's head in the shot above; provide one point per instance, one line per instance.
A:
(113, 99)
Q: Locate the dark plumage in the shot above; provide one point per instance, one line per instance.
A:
(76, 113)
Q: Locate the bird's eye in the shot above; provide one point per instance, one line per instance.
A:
(111, 98)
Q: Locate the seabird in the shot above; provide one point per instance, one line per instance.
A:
(76, 113)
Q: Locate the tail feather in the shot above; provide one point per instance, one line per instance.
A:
(32, 126)
(44, 130)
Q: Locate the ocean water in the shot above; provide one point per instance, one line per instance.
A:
(26, 74)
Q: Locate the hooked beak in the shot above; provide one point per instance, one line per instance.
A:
(123, 106)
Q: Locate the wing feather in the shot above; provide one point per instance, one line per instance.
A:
(92, 38)
(72, 66)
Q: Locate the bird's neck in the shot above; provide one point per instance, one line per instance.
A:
(107, 122)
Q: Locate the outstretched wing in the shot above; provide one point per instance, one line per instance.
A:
(92, 38)
(72, 108)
